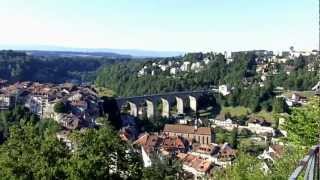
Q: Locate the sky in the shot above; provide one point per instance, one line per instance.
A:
(162, 25)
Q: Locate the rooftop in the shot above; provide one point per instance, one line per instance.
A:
(185, 129)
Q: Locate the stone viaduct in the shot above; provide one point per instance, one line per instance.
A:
(166, 99)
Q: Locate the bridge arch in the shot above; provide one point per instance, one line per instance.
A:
(129, 107)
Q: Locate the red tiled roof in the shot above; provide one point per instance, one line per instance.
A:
(198, 163)
(185, 129)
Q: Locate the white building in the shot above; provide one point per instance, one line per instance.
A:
(143, 71)
(145, 157)
(258, 129)
(174, 71)
(224, 90)
(185, 66)
(36, 104)
(6, 101)
(196, 66)
(206, 61)
(163, 67)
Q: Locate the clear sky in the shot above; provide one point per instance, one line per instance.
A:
(174, 25)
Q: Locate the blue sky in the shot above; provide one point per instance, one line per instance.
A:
(170, 25)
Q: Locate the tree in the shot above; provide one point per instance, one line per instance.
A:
(26, 155)
(249, 167)
(303, 124)
(234, 138)
(60, 107)
(244, 167)
(166, 169)
(100, 154)
(279, 105)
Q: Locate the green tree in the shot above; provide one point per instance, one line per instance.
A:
(279, 105)
(245, 167)
(303, 124)
(100, 154)
(26, 155)
(165, 168)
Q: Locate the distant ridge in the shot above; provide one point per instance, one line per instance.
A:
(88, 51)
(76, 54)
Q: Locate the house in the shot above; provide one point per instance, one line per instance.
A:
(185, 67)
(206, 151)
(316, 88)
(163, 67)
(174, 144)
(206, 61)
(3, 83)
(224, 90)
(261, 122)
(272, 153)
(155, 144)
(226, 124)
(201, 135)
(196, 66)
(64, 137)
(298, 98)
(143, 71)
(7, 101)
(174, 71)
(196, 165)
(69, 121)
(226, 153)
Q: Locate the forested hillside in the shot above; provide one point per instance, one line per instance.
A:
(18, 66)
(123, 79)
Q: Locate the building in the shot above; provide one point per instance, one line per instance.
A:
(185, 67)
(196, 67)
(154, 144)
(174, 71)
(224, 90)
(7, 101)
(206, 61)
(202, 135)
(196, 165)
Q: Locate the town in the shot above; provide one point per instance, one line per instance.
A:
(185, 138)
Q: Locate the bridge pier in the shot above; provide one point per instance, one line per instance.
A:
(193, 103)
(165, 108)
(180, 106)
(133, 109)
(150, 109)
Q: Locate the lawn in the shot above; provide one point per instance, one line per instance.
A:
(307, 94)
(243, 111)
(265, 115)
(236, 111)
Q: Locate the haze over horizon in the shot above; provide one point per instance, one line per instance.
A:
(209, 25)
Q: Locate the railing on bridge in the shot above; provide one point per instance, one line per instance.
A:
(308, 168)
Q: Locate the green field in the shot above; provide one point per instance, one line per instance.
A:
(308, 94)
(243, 111)
(236, 111)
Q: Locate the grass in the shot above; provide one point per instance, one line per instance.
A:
(236, 111)
(243, 111)
(307, 94)
(265, 115)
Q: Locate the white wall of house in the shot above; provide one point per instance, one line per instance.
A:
(145, 157)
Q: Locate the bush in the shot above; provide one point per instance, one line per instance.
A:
(60, 107)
